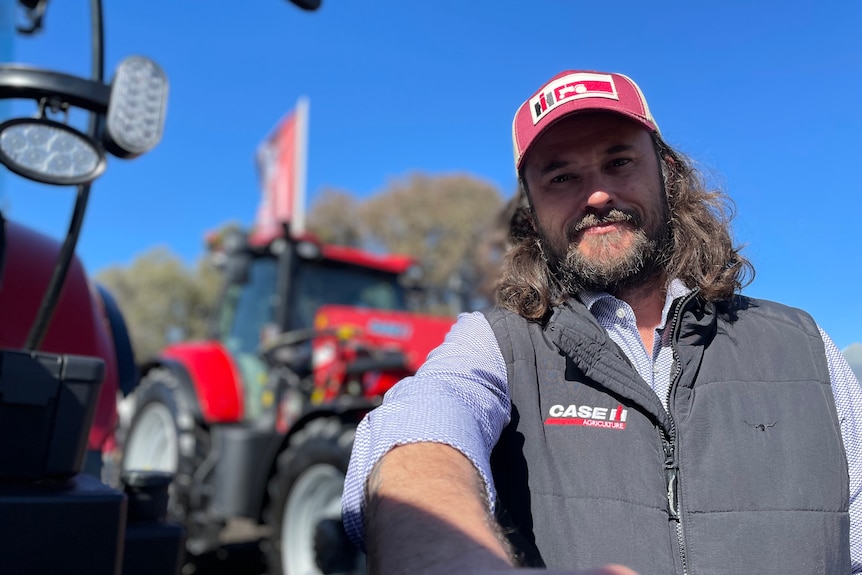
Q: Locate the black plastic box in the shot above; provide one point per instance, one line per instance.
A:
(47, 403)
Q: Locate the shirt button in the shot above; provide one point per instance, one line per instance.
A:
(621, 313)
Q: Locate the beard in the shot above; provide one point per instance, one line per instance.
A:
(608, 267)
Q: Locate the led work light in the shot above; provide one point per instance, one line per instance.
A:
(136, 111)
(49, 152)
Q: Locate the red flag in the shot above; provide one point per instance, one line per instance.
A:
(281, 167)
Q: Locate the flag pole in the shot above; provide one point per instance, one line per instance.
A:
(302, 111)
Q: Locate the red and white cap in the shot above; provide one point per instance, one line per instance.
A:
(574, 91)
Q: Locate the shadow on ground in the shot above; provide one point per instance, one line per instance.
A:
(230, 559)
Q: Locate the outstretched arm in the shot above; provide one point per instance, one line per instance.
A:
(428, 514)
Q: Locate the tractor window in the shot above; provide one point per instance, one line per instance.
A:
(250, 306)
(327, 282)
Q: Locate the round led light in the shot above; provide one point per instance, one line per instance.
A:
(49, 152)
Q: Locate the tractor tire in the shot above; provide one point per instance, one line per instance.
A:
(307, 536)
(164, 435)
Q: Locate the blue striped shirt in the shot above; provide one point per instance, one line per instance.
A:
(460, 397)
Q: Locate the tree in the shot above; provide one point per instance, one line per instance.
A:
(333, 219)
(494, 243)
(441, 221)
(161, 299)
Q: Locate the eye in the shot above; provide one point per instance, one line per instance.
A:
(562, 178)
(619, 162)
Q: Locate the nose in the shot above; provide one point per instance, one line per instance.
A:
(599, 199)
(599, 192)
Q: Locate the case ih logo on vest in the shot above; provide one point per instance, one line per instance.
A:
(572, 87)
(588, 416)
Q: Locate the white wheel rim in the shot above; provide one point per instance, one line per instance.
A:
(153, 443)
(315, 496)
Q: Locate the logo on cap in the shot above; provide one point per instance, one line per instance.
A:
(572, 87)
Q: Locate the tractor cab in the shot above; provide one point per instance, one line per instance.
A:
(274, 289)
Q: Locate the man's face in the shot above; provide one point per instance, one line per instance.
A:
(595, 185)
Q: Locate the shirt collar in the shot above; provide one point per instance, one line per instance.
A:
(675, 290)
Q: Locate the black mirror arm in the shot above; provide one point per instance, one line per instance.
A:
(35, 13)
(25, 82)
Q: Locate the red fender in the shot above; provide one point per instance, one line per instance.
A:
(215, 377)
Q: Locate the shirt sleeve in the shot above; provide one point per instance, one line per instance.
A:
(458, 397)
(848, 402)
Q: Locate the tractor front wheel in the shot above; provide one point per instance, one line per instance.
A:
(307, 536)
(165, 435)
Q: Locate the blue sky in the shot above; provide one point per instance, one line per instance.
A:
(765, 95)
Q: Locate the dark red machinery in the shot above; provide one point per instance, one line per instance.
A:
(64, 349)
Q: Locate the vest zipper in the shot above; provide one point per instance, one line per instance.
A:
(671, 467)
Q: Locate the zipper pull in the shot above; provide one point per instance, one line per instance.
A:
(672, 499)
(671, 474)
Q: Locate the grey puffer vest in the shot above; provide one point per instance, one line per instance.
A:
(745, 472)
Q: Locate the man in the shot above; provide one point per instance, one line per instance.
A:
(622, 404)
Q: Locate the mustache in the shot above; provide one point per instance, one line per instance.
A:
(612, 216)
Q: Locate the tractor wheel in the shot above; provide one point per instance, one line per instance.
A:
(165, 435)
(307, 535)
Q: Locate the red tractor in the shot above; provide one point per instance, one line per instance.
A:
(257, 422)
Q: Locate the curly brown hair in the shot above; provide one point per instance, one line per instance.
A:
(703, 254)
